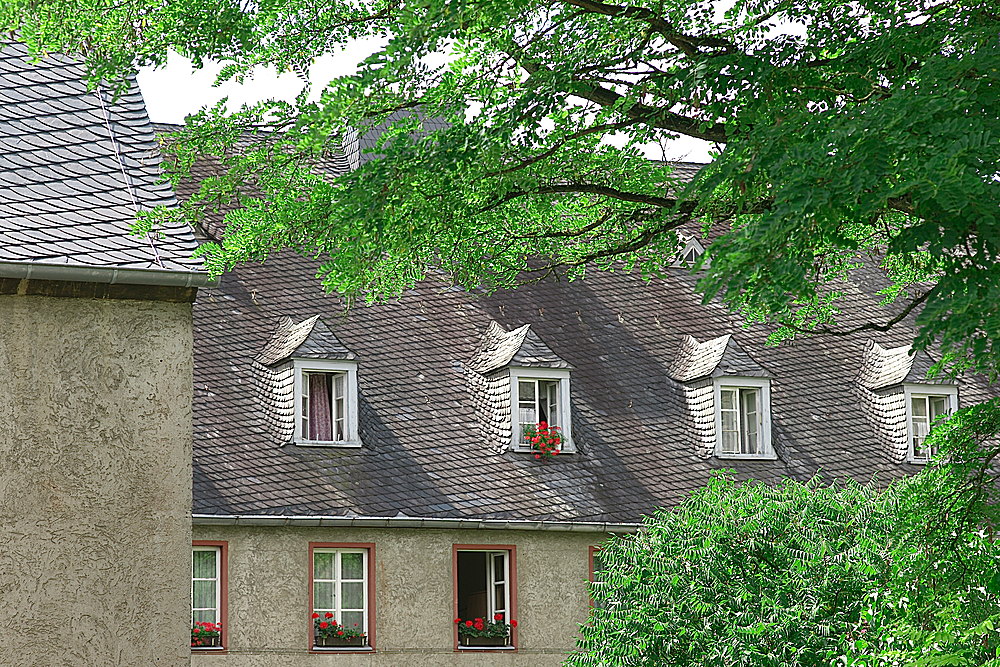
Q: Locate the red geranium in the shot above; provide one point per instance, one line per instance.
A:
(545, 440)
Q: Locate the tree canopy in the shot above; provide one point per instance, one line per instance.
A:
(812, 574)
(850, 135)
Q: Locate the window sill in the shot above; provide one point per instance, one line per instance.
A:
(523, 450)
(342, 649)
(485, 648)
(207, 649)
(748, 457)
(336, 444)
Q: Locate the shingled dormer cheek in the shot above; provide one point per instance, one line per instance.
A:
(307, 385)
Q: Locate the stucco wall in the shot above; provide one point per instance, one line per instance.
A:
(95, 481)
(414, 597)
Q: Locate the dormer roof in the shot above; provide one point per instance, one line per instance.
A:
(518, 348)
(309, 339)
(883, 367)
(717, 357)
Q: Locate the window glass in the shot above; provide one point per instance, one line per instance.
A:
(323, 406)
(924, 410)
(741, 421)
(205, 585)
(340, 586)
(483, 589)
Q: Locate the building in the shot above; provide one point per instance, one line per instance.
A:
(367, 464)
(95, 379)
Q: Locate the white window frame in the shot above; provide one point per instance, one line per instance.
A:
(338, 581)
(217, 579)
(911, 391)
(493, 578)
(350, 368)
(764, 386)
(565, 427)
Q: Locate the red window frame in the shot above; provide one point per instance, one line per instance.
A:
(370, 547)
(512, 614)
(223, 592)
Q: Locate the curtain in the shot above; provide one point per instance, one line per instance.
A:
(320, 421)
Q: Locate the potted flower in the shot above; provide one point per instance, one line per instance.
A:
(206, 635)
(483, 632)
(545, 440)
(327, 632)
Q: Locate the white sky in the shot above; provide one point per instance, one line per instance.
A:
(174, 91)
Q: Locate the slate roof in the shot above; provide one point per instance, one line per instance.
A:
(640, 434)
(75, 167)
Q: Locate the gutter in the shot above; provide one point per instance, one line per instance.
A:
(104, 274)
(410, 522)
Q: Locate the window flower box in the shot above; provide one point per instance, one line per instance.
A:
(483, 632)
(206, 635)
(339, 642)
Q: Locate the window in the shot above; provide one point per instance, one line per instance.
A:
(208, 595)
(342, 587)
(540, 395)
(596, 576)
(326, 403)
(923, 409)
(485, 588)
(743, 418)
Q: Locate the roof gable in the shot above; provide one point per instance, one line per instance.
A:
(883, 367)
(309, 339)
(717, 357)
(520, 347)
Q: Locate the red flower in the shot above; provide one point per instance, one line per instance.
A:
(328, 615)
(479, 626)
(340, 633)
(458, 620)
(315, 615)
(538, 456)
(468, 624)
(513, 624)
(542, 425)
(334, 623)
(323, 624)
(497, 617)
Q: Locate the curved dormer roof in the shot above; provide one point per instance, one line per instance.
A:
(717, 357)
(520, 348)
(883, 367)
(309, 339)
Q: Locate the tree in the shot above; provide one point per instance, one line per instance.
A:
(812, 574)
(851, 135)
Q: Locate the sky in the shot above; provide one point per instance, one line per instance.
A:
(177, 90)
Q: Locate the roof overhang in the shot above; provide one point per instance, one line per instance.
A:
(411, 522)
(104, 274)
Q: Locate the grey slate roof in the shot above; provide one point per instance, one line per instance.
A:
(311, 338)
(429, 428)
(75, 167)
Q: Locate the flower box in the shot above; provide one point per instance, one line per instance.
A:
(484, 641)
(328, 642)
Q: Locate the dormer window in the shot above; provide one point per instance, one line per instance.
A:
(743, 418)
(540, 395)
(520, 382)
(925, 405)
(307, 384)
(326, 406)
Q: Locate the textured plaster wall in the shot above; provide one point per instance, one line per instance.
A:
(414, 598)
(95, 481)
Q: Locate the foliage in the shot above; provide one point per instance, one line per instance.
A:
(483, 627)
(852, 136)
(326, 626)
(811, 574)
(545, 440)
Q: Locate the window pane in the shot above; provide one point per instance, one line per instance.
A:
(498, 567)
(728, 399)
(203, 564)
(323, 595)
(353, 595)
(730, 442)
(919, 405)
(203, 594)
(204, 616)
(322, 565)
(526, 392)
(353, 619)
(499, 598)
(352, 566)
(939, 406)
(729, 421)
